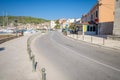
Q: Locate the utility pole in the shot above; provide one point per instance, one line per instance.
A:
(16, 27)
(6, 19)
(3, 19)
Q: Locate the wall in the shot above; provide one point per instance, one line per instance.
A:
(105, 28)
(116, 30)
(97, 40)
(106, 10)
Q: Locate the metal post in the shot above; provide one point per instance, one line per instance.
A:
(103, 41)
(6, 20)
(83, 37)
(16, 27)
(91, 39)
(77, 36)
(3, 20)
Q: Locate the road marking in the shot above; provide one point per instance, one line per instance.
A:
(93, 60)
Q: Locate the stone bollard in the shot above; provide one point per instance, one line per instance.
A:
(33, 63)
(43, 74)
(29, 52)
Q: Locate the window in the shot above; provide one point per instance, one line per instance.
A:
(93, 28)
(91, 17)
(97, 14)
(88, 28)
(94, 15)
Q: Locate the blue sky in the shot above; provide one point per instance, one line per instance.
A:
(47, 9)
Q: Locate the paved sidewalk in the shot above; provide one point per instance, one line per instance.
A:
(14, 61)
(97, 40)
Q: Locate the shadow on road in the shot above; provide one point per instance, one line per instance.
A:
(2, 48)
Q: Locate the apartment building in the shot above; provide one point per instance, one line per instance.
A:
(99, 20)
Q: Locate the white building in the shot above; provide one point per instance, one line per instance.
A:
(52, 24)
(71, 20)
(67, 22)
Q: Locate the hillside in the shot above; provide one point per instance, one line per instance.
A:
(21, 19)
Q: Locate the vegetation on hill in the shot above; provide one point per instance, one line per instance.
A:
(20, 19)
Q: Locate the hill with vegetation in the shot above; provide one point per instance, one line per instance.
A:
(21, 19)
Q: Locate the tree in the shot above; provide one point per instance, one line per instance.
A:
(23, 19)
(57, 24)
(71, 27)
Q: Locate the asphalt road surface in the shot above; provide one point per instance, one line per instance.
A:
(67, 59)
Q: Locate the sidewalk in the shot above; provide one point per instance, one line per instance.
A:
(97, 40)
(14, 61)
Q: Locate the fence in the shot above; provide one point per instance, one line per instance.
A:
(97, 40)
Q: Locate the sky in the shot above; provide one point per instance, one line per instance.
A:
(47, 9)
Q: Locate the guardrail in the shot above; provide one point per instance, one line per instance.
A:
(32, 56)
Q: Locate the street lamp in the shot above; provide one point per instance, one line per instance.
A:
(16, 27)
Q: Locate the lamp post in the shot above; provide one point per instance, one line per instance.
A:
(16, 27)
(3, 20)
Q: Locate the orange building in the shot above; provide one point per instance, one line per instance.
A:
(100, 18)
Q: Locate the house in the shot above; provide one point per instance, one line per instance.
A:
(52, 24)
(62, 23)
(99, 20)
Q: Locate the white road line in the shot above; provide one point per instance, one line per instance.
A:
(93, 60)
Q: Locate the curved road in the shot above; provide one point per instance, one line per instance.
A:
(68, 59)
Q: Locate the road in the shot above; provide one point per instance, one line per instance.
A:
(68, 59)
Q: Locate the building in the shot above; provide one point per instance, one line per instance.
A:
(99, 20)
(65, 23)
(116, 29)
(45, 25)
(52, 24)
(62, 23)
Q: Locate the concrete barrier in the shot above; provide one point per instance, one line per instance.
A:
(112, 44)
(97, 40)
